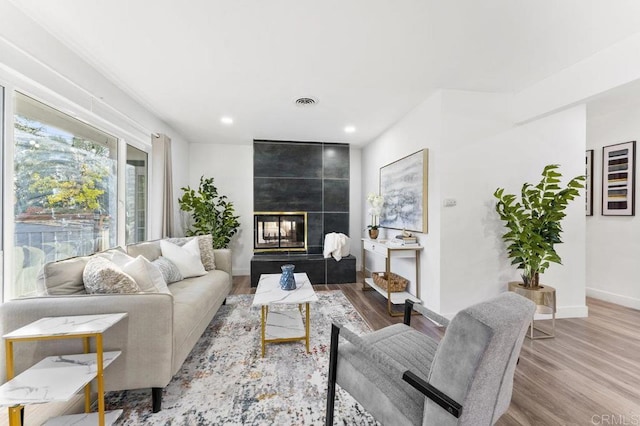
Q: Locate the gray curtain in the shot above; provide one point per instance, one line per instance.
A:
(162, 151)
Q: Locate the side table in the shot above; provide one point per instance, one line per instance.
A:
(544, 296)
(58, 378)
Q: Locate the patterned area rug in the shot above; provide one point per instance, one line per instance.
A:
(224, 381)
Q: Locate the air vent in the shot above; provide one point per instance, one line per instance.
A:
(305, 102)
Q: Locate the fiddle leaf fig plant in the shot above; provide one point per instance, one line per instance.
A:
(533, 222)
(211, 212)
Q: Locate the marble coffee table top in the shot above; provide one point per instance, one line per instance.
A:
(270, 293)
(66, 326)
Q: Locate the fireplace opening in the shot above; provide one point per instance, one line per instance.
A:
(279, 231)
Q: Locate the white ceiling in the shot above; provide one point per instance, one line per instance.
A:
(368, 62)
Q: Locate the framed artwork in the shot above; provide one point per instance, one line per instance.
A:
(588, 184)
(618, 179)
(403, 184)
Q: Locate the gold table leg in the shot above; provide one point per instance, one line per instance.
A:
(100, 379)
(306, 326)
(263, 326)
(87, 387)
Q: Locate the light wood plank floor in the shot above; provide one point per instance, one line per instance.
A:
(589, 374)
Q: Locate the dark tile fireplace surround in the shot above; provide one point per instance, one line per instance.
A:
(311, 177)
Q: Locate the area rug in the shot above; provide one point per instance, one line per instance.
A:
(224, 381)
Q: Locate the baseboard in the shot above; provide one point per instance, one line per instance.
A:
(618, 299)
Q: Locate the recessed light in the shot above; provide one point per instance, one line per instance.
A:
(226, 120)
(350, 129)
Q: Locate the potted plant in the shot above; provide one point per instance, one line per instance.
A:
(376, 202)
(211, 213)
(534, 222)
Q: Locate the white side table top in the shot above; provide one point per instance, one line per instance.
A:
(66, 326)
(270, 293)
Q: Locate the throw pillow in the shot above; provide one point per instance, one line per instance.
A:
(205, 243)
(103, 276)
(168, 269)
(186, 258)
(146, 275)
(206, 252)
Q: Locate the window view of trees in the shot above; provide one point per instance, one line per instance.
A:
(65, 190)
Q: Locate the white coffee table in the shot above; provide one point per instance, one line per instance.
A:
(284, 325)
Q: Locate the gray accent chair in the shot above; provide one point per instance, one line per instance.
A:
(403, 377)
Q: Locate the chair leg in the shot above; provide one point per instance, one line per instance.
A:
(156, 399)
(408, 307)
(333, 364)
(224, 302)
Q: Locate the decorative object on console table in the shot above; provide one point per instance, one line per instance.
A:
(618, 179)
(287, 279)
(545, 299)
(534, 222)
(588, 185)
(403, 184)
(390, 281)
(376, 201)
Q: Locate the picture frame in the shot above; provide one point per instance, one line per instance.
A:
(618, 179)
(403, 184)
(588, 184)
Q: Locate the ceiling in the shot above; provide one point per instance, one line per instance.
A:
(367, 62)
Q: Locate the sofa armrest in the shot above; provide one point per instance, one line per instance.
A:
(145, 336)
(223, 260)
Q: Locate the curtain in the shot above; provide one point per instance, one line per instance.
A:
(164, 191)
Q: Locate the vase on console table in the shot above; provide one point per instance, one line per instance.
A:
(373, 233)
(287, 280)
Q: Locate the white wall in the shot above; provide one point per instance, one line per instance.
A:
(474, 148)
(420, 129)
(231, 166)
(613, 242)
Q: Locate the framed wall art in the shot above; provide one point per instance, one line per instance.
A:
(618, 179)
(588, 183)
(403, 184)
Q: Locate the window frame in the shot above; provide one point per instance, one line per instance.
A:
(86, 116)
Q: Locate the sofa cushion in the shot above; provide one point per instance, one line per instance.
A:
(146, 275)
(168, 269)
(149, 249)
(187, 257)
(101, 275)
(64, 277)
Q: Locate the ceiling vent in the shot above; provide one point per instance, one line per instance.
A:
(305, 102)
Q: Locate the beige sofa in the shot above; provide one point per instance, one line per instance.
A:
(156, 336)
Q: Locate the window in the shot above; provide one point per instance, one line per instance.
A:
(136, 195)
(65, 190)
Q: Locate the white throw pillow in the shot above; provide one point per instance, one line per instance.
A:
(186, 258)
(146, 275)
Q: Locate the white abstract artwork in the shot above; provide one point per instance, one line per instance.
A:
(403, 184)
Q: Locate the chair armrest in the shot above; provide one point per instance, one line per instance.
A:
(426, 312)
(387, 363)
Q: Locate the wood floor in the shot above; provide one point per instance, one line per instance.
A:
(589, 374)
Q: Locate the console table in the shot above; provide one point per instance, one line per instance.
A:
(389, 251)
(58, 378)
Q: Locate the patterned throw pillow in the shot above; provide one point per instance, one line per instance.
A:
(105, 277)
(206, 252)
(169, 270)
